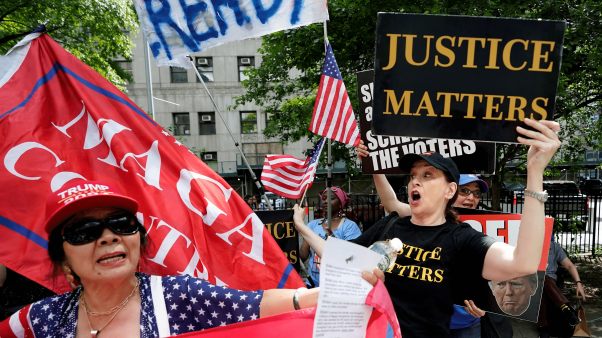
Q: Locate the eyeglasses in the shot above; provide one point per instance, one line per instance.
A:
(465, 192)
(87, 231)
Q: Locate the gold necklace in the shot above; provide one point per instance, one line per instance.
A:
(95, 333)
(116, 308)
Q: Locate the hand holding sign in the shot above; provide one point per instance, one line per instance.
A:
(543, 143)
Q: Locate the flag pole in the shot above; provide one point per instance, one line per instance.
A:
(149, 82)
(329, 163)
(257, 182)
(303, 196)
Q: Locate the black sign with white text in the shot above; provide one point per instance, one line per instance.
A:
(457, 77)
(385, 151)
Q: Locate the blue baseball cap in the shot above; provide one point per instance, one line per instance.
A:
(465, 179)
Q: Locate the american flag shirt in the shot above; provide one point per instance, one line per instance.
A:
(170, 305)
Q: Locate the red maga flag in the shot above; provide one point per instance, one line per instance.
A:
(60, 121)
(333, 115)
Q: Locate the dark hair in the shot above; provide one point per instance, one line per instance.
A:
(450, 214)
(57, 253)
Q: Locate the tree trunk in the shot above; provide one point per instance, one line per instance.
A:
(496, 187)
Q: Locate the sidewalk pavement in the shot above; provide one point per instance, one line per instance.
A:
(524, 329)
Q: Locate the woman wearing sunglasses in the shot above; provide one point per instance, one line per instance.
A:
(438, 250)
(341, 228)
(96, 239)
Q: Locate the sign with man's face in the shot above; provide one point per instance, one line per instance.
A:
(457, 77)
(518, 297)
(514, 297)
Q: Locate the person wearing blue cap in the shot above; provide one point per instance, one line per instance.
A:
(470, 190)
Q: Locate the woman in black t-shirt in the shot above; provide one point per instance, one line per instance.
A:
(437, 251)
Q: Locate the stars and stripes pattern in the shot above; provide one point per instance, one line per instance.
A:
(287, 175)
(191, 304)
(196, 305)
(333, 115)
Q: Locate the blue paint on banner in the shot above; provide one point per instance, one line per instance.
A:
(18, 228)
(296, 11)
(285, 275)
(240, 16)
(54, 70)
(162, 17)
(264, 14)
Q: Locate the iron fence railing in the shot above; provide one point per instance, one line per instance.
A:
(577, 217)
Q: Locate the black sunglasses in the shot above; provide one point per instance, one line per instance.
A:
(86, 231)
(465, 192)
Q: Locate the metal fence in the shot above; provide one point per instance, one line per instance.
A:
(577, 217)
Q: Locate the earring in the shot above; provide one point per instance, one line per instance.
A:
(69, 276)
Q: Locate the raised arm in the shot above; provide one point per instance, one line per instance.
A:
(384, 189)
(311, 238)
(503, 262)
(570, 267)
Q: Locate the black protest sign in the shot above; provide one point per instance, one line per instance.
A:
(385, 151)
(280, 225)
(471, 78)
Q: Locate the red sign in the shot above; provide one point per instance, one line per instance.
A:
(60, 121)
(504, 228)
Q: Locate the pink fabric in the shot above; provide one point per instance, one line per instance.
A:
(340, 194)
(379, 298)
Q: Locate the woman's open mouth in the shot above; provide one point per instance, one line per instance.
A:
(111, 258)
(414, 196)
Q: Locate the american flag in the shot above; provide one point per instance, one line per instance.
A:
(333, 115)
(287, 176)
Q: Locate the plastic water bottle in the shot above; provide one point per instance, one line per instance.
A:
(389, 252)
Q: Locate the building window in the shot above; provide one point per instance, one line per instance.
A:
(126, 66)
(210, 159)
(178, 75)
(244, 62)
(248, 122)
(181, 123)
(207, 123)
(255, 152)
(205, 68)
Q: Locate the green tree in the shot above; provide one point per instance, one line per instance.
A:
(95, 31)
(300, 52)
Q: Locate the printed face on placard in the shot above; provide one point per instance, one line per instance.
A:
(514, 296)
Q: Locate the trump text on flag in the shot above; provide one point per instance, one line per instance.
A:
(463, 77)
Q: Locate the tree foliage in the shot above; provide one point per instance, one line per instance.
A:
(286, 82)
(95, 31)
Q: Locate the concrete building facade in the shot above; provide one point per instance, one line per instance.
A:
(195, 120)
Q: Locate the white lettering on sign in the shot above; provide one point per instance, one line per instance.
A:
(184, 186)
(492, 229)
(152, 172)
(64, 128)
(63, 177)
(13, 155)
(513, 227)
(257, 227)
(192, 270)
(109, 130)
(167, 243)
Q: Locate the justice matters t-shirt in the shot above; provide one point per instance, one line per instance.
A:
(427, 269)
